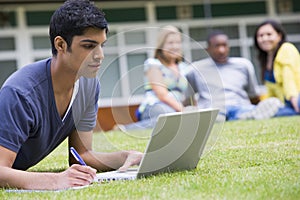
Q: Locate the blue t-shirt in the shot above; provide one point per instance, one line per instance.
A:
(30, 123)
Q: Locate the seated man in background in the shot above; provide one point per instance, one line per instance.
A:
(228, 83)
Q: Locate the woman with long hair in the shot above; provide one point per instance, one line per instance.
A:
(164, 80)
(280, 64)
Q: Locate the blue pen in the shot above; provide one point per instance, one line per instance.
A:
(77, 156)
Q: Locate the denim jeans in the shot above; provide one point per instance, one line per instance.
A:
(149, 116)
(288, 109)
(232, 111)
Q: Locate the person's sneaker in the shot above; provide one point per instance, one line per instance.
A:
(264, 109)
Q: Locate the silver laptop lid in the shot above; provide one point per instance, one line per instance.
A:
(177, 141)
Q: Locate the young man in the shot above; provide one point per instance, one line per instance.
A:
(46, 102)
(228, 83)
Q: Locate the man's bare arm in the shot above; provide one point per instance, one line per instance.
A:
(101, 161)
(76, 175)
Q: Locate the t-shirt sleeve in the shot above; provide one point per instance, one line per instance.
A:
(16, 119)
(150, 63)
(88, 117)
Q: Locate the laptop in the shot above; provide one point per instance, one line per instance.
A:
(176, 144)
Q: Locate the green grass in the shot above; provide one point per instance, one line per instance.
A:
(250, 160)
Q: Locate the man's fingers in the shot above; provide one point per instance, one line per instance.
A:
(133, 158)
(126, 165)
(84, 173)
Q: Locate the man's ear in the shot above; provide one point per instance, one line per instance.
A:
(207, 49)
(60, 44)
(207, 46)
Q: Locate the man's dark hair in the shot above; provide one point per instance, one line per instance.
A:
(214, 33)
(73, 18)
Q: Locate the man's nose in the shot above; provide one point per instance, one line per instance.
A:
(98, 53)
(222, 49)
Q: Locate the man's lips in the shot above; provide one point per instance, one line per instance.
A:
(96, 65)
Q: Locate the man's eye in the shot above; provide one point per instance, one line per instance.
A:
(103, 44)
(89, 46)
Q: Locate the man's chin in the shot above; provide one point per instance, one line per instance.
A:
(222, 61)
(90, 75)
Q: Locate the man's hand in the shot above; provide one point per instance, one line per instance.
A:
(76, 175)
(133, 158)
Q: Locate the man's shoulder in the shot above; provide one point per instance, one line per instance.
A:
(33, 68)
(241, 62)
(36, 65)
(89, 86)
(238, 60)
(202, 61)
(29, 75)
(201, 64)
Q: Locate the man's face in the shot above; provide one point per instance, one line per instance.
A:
(218, 48)
(86, 53)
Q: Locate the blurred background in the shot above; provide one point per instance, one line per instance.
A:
(24, 35)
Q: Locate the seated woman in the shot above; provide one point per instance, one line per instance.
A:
(280, 63)
(165, 81)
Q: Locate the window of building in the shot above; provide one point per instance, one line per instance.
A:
(41, 42)
(7, 67)
(296, 5)
(166, 12)
(135, 37)
(38, 18)
(109, 76)
(291, 27)
(112, 40)
(136, 73)
(7, 44)
(198, 54)
(241, 8)
(7, 19)
(198, 11)
(114, 15)
(7, 63)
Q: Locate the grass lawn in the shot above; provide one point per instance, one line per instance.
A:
(249, 160)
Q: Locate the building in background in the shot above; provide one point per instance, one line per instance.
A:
(132, 24)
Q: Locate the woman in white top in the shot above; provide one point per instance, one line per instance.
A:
(164, 80)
